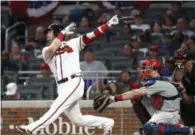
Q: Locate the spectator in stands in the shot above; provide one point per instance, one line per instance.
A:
(85, 23)
(89, 13)
(192, 24)
(126, 30)
(153, 51)
(12, 92)
(169, 23)
(32, 43)
(111, 88)
(166, 45)
(127, 51)
(184, 46)
(15, 52)
(126, 82)
(104, 18)
(181, 27)
(92, 65)
(40, 37)
(157, 29)
(139, 22)
(191, 43)
(136, 43)
(134, 12)
(57, 20)
(132, 15)
(178, 10)
(178, 38)
(6, 64)
(32, 47)
(66, 20)
(118, 11)
(45, 71)
(169, 67)
(170, 64)
(170, 12)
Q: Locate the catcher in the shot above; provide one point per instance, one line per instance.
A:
(166, 117)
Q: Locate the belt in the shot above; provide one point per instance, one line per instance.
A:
(66, 79)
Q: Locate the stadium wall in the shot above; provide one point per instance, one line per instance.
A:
(23, 112)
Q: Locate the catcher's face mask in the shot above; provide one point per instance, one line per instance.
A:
(145, 69)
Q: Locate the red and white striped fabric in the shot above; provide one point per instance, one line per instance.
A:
(34, 11)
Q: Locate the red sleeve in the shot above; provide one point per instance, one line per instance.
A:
(97, 33)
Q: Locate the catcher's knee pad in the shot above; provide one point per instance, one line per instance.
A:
(165, 129)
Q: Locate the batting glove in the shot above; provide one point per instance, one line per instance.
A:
(69, 30)
(113, 21)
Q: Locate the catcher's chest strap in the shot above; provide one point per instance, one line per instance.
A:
(171, 98)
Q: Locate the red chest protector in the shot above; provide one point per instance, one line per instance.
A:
(158, 101)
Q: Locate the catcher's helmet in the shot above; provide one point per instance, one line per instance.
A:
(55, 27)
(157, 65)
(145, 68)
(148, 65)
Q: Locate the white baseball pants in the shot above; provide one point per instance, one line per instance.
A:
(165, 117)
(69, 94)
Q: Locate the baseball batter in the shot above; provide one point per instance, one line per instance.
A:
(166, 117)
(63, 59)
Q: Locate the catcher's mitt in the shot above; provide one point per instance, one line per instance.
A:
(101, 102)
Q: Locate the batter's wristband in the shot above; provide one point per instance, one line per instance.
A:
(60, 37)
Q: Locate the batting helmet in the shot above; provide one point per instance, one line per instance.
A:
(149, 65)
(55, 27)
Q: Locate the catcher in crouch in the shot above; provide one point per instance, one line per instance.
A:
(166, 117)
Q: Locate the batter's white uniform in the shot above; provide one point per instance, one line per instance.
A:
(65, 63)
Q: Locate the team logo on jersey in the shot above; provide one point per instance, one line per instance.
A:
(64, 49)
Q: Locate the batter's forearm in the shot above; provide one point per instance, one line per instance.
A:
(94, 35)
(53, 47)
(56, 43)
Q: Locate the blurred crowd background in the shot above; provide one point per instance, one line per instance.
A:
(152, 30)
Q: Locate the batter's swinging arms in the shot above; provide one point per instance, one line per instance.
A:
(63, 59)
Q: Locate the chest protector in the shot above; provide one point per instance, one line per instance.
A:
(159, 99)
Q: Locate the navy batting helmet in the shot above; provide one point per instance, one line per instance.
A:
(55, 27)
